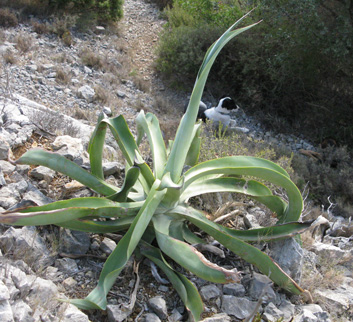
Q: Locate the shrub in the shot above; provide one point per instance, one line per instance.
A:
(152, 204)
(91, 59)
(330, 177)
(294, 68)
(40, 28)
(7, 18)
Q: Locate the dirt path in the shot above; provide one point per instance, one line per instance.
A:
(142, 25)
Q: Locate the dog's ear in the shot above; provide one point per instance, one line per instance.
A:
(229, 103)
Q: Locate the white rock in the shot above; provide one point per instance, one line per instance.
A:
(6, 314)
(73, 314)
(86, 92)
(4, 292)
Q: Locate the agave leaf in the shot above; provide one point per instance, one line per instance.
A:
(127, 145)
(119, 257)
(149, 124)
(59, 163)
(95, 148)
(187, 256)
(45, 217)
(190, 237)
(270, 233)
(97, 227)
(130, 179)
(194, 151)
(251, 188)
(186, 290)
(249, 253)
(250, 166)
(184, 136)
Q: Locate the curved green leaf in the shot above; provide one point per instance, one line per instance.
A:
(194, 151)
(186, 290)
(60, 164)
(183, 136)
(188, 257)
(249, 253)
(118, 259)
(149, 124)
(95, 148)
(44, 217)
(130, 179)
(91, 226)
(256, 167)
(251, 188)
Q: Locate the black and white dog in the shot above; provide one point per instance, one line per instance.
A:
(219, 113)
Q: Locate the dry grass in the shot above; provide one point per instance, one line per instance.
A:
(62, 76)
(24, 43)
(102, 95)
(9, 57)
(91, 59)
(40, 28)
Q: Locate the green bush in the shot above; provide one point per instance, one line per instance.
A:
(293, 72)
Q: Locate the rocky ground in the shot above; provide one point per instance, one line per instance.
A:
(50, 96)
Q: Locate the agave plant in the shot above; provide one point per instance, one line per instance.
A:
(152, 208)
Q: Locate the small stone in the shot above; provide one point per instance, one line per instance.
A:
(107, 245)
(26, 244)
(175, 316)
(151, 317)
(6, 314)
(250, 221)
(7, 167)
(115, 314)
(32, 68)
(163, 288)
(261, 286)
(69, 147)
(158, 306)
(272, 313)
(86, 92)
(107, 110)
(43, 291)
(4, 292)
(66, 265)
(239, 307)
(95, 245)
(220, 317)
(289, 256)
(235, 289)
(72, 313)
(74, 242)
(209, 292)
(22, 312)
(69, 283)
(111, 168)
(42, 173)
(120, 94)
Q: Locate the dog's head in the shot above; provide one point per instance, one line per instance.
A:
(227, 103)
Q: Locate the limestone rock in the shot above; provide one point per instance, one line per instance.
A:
(210, 291)
(86, 92)
(289, 256)
(239, 307)
(107, 245)
(74, 242)
(26, 244)
(158, 306)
